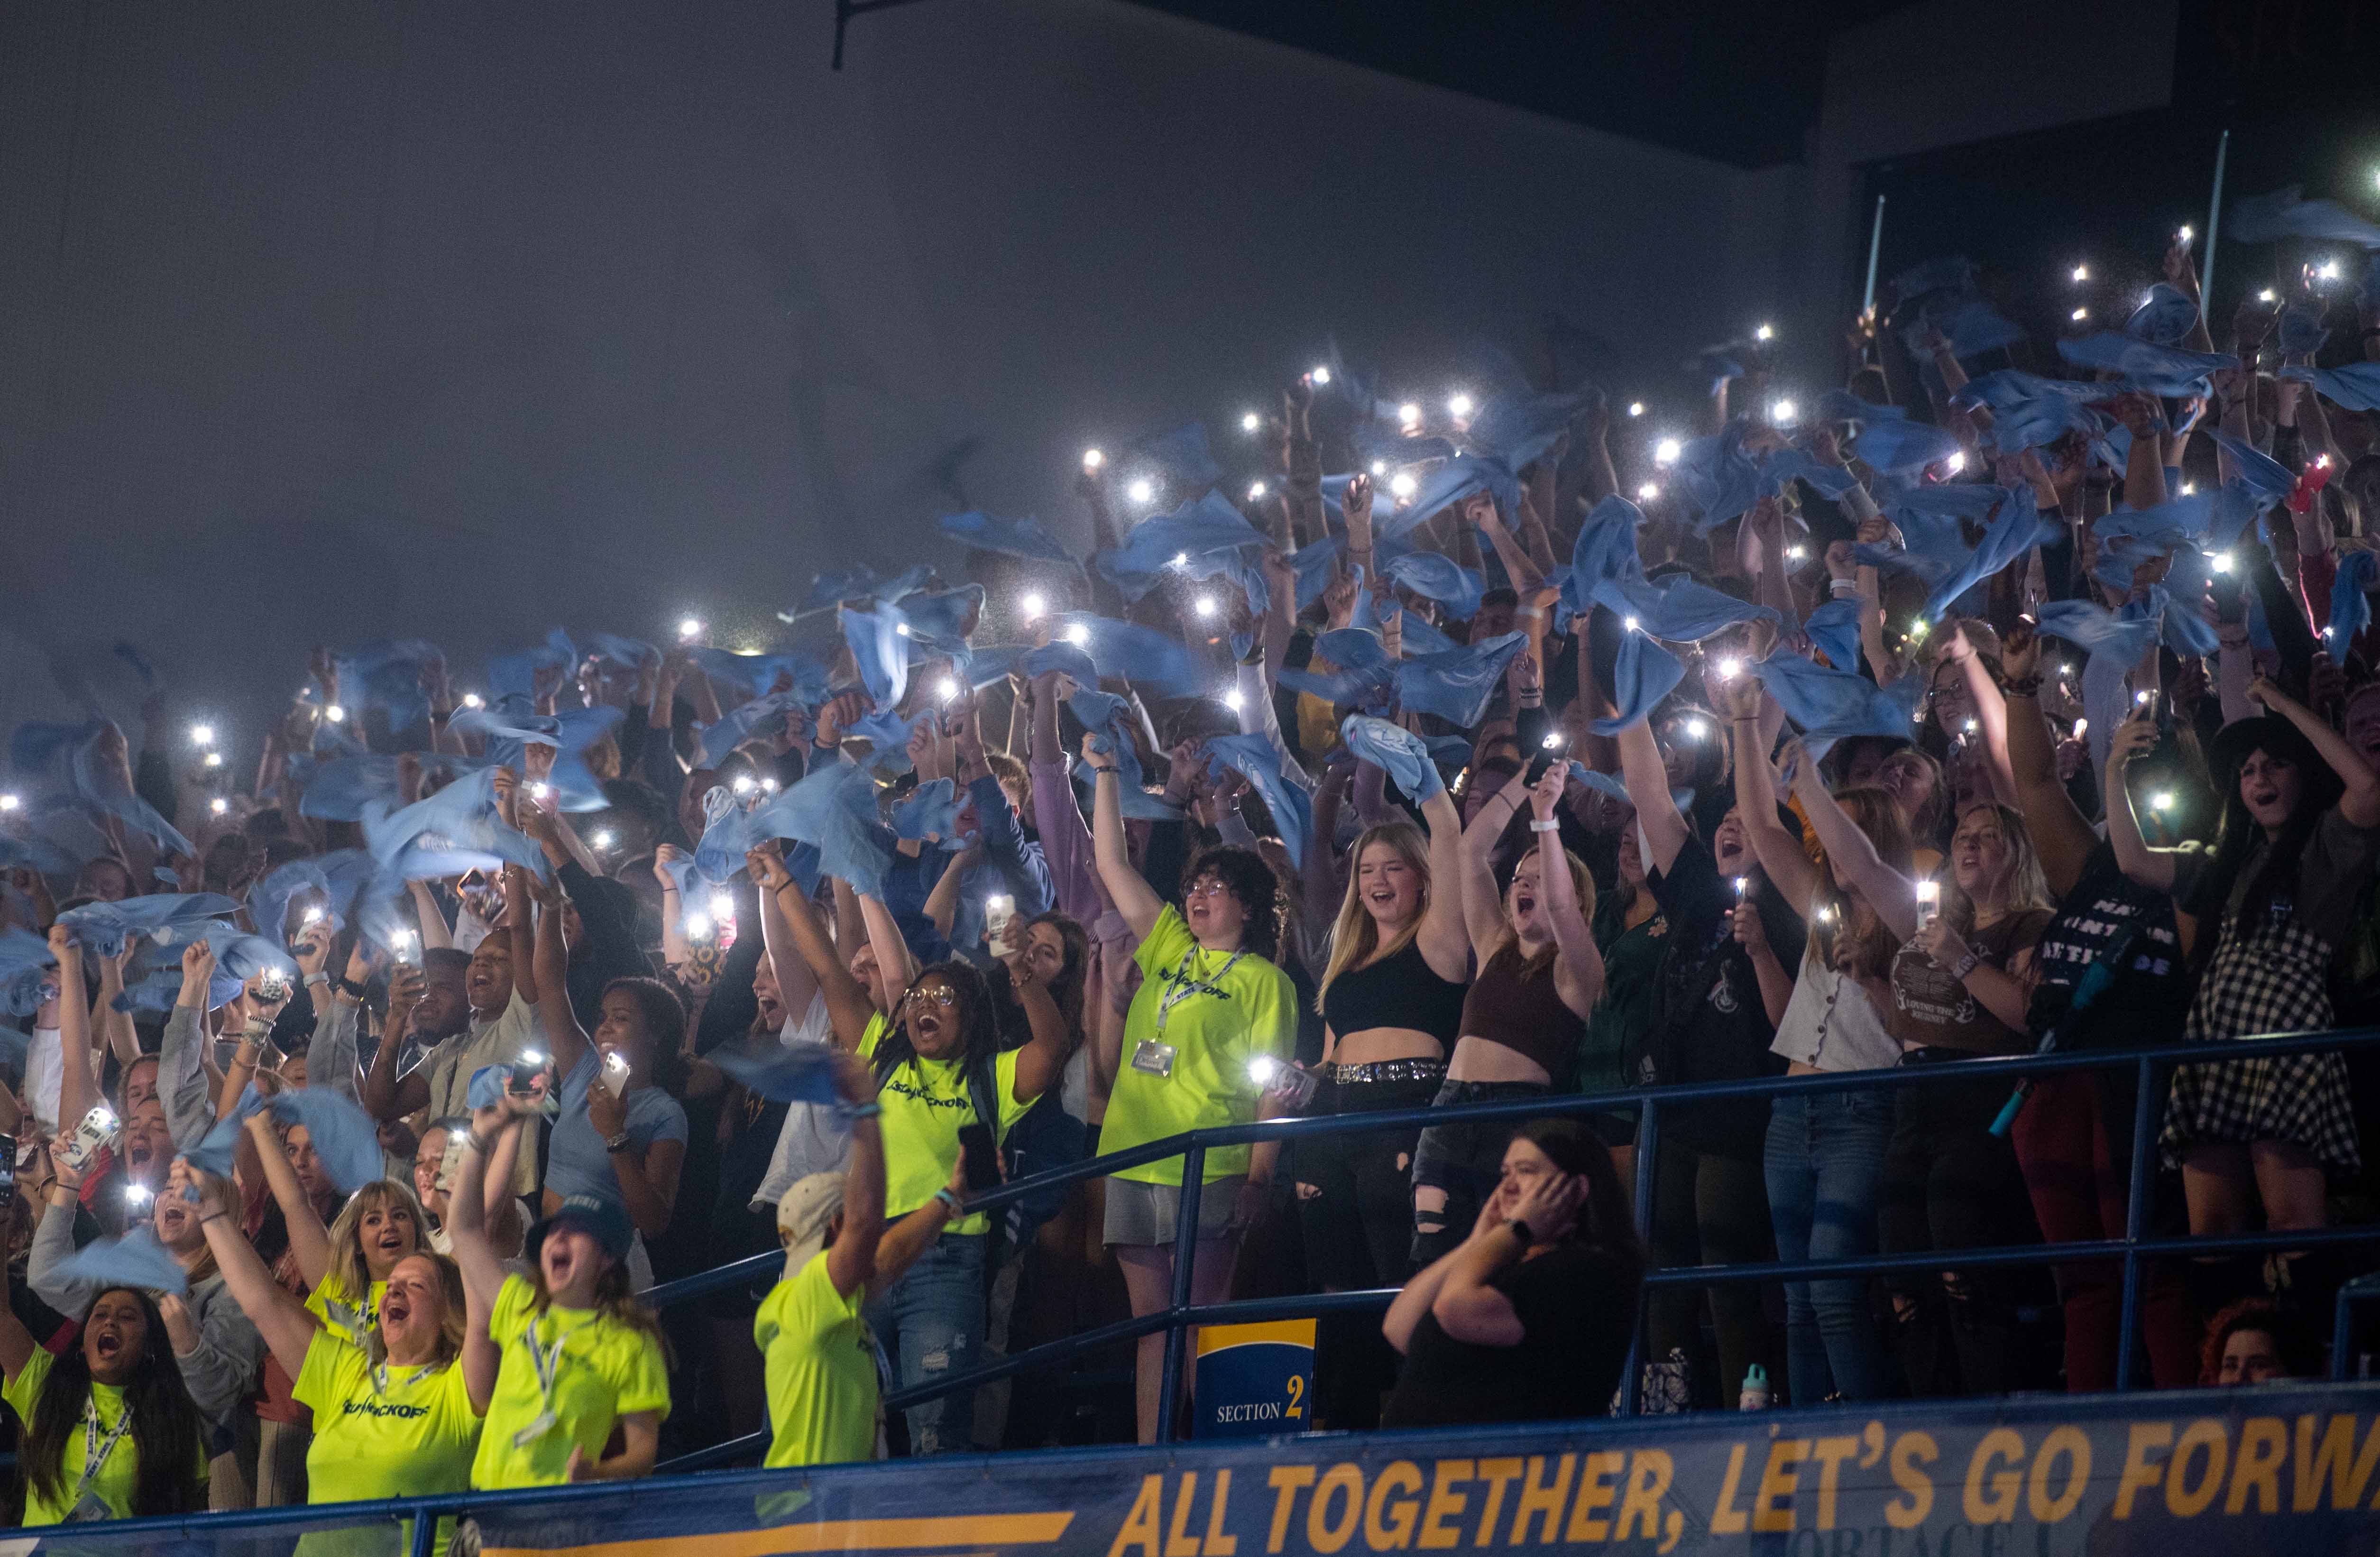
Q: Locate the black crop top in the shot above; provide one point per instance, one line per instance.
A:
(1402, 991)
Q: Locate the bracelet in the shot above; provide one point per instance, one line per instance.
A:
(957, 1206)
(1841, 586)
(1537, 826)
(2023, 686)
(1966, 965)
(204, 1220)
(868, 1110)
(616, 1143)
(479, 1144)
(314, 978)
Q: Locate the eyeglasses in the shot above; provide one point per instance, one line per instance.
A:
(936, 994)
(1211, 886)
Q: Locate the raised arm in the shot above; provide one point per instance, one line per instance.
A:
(2061, 835)
(2359, 806)
(287, 1328)
(382, 1095)
(852, 1258)
(892, 953)
(1991, 710)
(1890, 894)
(564, 1038)
(467, 1211)
(1483, 914)
(309, 1240)
(1649, 790)
(1444, 936)
(847, 1004)
(1578, 965)
(1135, 899)
(1782, 859)
(181, 1068)
(79, 1083)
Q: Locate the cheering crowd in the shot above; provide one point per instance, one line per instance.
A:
(2015, 695)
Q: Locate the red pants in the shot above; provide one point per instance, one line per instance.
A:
(2075, 1169)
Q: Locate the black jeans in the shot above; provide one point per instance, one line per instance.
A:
(1354, 1203)
(1950, 1183)
(1709, 1210)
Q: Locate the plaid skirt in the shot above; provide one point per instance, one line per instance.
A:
(2263, 979)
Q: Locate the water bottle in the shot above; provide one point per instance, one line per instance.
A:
(1755, 1390)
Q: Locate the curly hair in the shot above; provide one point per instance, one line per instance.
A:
(977, 1022)
(1252, 884)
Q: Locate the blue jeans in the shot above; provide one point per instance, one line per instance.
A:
(1824, 1167)
(931, 1325)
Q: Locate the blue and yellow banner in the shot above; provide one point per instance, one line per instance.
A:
(2287, 1469)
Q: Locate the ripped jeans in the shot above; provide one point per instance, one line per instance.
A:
(931, 1325)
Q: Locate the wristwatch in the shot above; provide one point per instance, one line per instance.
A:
(617, 1143)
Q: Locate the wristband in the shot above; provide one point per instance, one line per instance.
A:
(616, 1143)
(314, 978)
(1537, 826)
(349, 987)
(1841, 586)
(1966, 965)
(2023, 686)
(1106, 768)
(868, 1110)
(479, 1144)
(1517, 1225)
(204, 1220)
(957, 1206)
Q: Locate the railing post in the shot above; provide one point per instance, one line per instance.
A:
(1648, 1146)
(1186, 1257)
(2136, 1215)
(425, 1526)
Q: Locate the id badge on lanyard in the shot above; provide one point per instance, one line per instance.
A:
(548, 1364)
(1153, 1057)
(88, 1504)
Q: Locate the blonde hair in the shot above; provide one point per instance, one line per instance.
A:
(1876, 813)
(1355, 934)
(349, 1268)
(451, 1324)
(2027, 887)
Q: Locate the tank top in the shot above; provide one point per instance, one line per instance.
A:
(1524, 1014)
(1402, 991)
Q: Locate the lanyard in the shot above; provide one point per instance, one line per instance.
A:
(1180, 984)
(549, 1363)
(95, 1450)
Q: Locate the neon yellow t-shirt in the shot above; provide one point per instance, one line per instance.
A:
(925, 1102)
(822, 1387)
(607, 1371)
(319, 1301)
(410, 1433)
(118, 1476)
(1226, 1011)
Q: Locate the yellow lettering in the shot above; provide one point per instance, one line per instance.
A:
(2071, 1443)
(1909, 1509)
(2139, 1474)
(1218, 1543)
(1831, 1453)
(1401, 1475)
(1180, 1542)
(1444, 1503)
(1140, 1526)
(2001, 1444)
(2205, 1434)
(1593, 1495)
(2333, 1461)
(1537, 1497)
(1320, 1534)
(1499, 1475)
(2263, 1444)
(1648, 1483)
(1726, 1518)
(1286, 1482)
(1779, 1480)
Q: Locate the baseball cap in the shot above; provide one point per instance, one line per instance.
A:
(803, 1214)
(606, 1220)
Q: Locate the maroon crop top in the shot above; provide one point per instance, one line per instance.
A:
(1524, 1013)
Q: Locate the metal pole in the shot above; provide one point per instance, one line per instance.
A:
(1186, 1256)
(2214, 218)
(1874, 245)
(1648, 1146)
(2136, 1217)
(425, 1524)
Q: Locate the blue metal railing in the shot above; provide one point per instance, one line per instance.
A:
(1176, 1320)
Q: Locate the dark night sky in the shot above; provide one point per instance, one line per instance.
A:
(1728, 79)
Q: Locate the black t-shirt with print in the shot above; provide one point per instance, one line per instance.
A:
(2146, 1003)
(1710, 1023)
